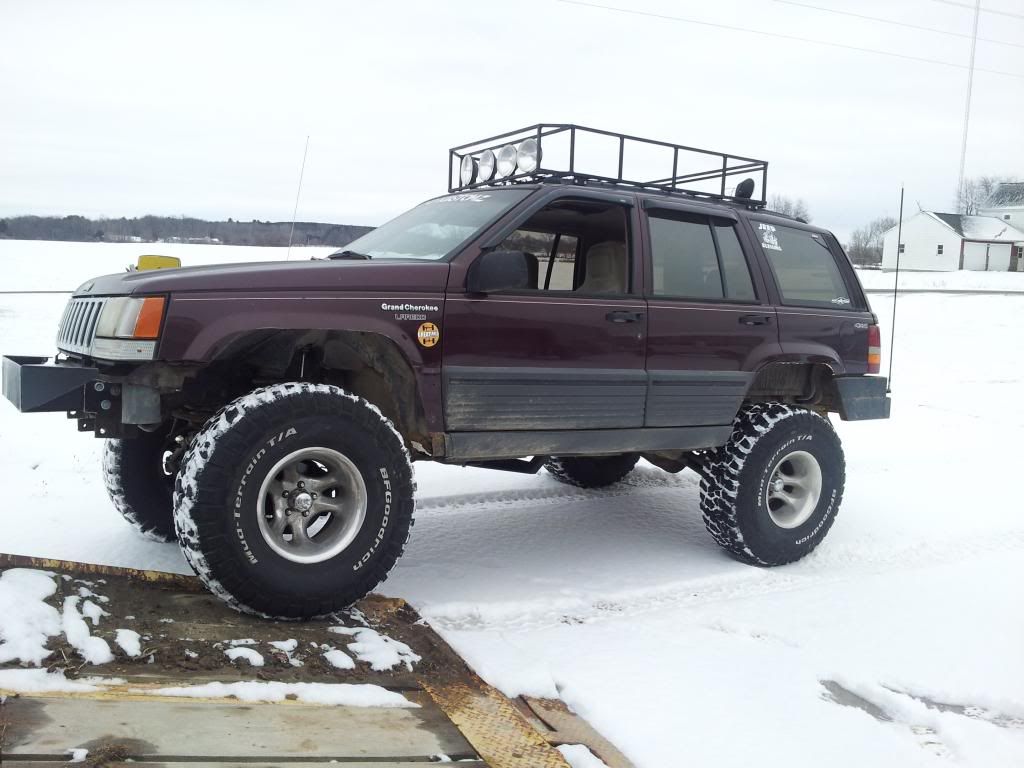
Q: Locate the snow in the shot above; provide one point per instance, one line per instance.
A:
(68, 265)
(619, 602)
(253, 657)
(27, 622)
(93, 612)
(41, 681)
(129, 641)
(78, 755)
(578, 756)
(877, 280)
(339, 659)
(287, 646)
(93, 649)
(335, 694)
(379, 651)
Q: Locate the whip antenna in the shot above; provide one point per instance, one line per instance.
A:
(295, 211)
(895, 291)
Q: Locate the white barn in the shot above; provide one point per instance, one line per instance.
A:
(947, 242)
(1006, 203)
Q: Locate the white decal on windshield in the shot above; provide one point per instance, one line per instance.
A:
(474, 197)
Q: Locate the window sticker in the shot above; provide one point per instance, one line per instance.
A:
(768, 239)
(471, 197)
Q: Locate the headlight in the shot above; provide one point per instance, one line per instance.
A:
(506, 161)
(528, 156)
(485, 166)
(467, 171)
(125, 317)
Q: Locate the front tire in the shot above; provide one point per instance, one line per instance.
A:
(591, 471)
(139, 483)
(772, 492)
(294, 501)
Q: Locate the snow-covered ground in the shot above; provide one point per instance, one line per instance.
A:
(899, 642)
(876, 280)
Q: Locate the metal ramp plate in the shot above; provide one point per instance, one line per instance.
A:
(186, 633)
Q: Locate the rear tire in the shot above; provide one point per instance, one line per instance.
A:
(772, 492)
(138, 484)
(591, 471)
(294, 501)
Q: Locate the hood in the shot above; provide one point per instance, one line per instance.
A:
(320, 275)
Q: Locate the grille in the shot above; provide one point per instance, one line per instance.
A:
(78, 326)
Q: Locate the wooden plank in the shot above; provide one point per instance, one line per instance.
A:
(566, 727)
(186, 729)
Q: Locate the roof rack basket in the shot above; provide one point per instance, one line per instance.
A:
(559, 153)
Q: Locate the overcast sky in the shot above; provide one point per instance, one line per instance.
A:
(203, 108)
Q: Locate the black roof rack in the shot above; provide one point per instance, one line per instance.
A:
(573, 154)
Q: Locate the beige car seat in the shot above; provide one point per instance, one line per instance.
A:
(606, 268)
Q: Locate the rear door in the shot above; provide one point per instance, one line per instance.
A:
(823, 313)
(710, 326)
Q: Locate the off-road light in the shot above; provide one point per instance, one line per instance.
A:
(467, 170)
(485, 165)
(528, 156)
(506, 161)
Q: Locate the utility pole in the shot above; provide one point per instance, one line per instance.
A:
(967, 107)
(298, 192)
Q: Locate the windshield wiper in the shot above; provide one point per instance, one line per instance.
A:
(355, 255)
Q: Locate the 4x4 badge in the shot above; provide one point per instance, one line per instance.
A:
(428, 334)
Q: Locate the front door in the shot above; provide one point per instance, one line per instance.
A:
(710, 326)
(566, 353)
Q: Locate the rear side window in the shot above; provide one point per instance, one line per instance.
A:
(687, 263)
(804, 266)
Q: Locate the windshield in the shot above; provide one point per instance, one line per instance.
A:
(437, 227)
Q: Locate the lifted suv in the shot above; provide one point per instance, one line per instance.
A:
(267, 415)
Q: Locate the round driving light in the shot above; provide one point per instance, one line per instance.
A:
(506, 161)
(467, 170)
(485, 165)
(528, 156)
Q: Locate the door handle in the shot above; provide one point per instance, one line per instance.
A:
(621, 316)
(755, 319)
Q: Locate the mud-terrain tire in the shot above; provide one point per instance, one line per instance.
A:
(244, 542)
(591, 471)
(138, 484)
(758, 496)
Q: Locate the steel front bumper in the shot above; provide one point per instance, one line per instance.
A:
(35, 385)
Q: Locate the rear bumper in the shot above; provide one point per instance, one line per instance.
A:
(859, 398)
(35, 385)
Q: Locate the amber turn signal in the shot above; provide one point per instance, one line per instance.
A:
(147, 326)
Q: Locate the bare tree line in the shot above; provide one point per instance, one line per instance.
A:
(152, 229)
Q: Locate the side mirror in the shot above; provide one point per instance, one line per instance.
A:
(498, 271)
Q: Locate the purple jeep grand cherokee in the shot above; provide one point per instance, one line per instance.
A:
(266, 415)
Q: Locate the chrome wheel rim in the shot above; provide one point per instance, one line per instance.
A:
(794, 488)
(312, 504)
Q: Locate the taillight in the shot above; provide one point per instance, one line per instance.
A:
(874, 349)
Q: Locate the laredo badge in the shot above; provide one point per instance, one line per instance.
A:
(428, 334)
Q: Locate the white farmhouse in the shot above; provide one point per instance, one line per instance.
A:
(1006, 203)
(947, 242)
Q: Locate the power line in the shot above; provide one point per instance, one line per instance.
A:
(983, 10)
(783, 36)
(896, 23)
(967, 110)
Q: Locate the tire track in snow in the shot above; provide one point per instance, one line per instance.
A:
(828, 567)
(556, 494)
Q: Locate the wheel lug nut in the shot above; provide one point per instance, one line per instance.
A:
(301, 484)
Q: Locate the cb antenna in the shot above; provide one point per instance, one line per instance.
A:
(295, 211)
(895, 291)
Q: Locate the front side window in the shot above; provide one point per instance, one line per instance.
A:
(804, 266)
(696, 257)
(434, 229)
(578, 246)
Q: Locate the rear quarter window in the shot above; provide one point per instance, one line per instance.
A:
(804, 266)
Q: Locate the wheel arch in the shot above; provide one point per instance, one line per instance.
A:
(806, 382)
(365, 363)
